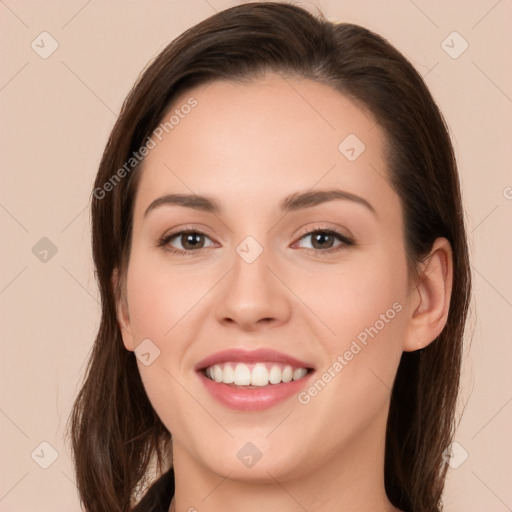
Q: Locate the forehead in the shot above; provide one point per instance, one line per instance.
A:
(261, 140)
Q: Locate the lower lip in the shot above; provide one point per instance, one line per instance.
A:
(255, 399)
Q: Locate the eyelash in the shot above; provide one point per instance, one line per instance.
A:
(345, 241)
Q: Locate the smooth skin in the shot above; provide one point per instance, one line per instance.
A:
(248, 146)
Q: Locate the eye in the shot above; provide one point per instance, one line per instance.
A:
(190, 241)
(326, 241)
(186, 241)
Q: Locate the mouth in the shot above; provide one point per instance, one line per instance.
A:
(253, 380)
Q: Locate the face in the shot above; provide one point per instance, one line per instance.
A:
(271, 330)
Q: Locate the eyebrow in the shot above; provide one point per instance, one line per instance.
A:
(293, 202)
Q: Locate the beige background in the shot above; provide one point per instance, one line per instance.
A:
(57, 113)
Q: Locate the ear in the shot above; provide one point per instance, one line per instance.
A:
(122, 312)
(430, 299)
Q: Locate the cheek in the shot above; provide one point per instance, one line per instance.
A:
(357, 300)
(165, 307)
(362, 310)
(160, 297)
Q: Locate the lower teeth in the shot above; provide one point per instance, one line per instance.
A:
(250, 386)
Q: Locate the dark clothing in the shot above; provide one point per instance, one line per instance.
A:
(158, 497)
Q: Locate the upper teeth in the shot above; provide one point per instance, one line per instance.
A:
(261, 374)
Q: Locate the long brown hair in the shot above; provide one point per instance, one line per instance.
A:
(115, 432)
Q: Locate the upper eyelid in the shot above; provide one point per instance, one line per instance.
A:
(185, 229)
(336, 230)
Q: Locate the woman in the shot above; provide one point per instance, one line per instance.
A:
(280, 247)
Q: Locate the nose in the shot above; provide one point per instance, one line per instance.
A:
(252, 296)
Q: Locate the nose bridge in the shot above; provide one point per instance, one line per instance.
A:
(252, 294)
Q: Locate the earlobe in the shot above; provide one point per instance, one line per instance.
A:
(122, 312)
(431, 297)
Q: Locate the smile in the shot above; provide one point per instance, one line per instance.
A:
(252, 380)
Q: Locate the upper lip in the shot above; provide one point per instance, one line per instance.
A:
(250, 356)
